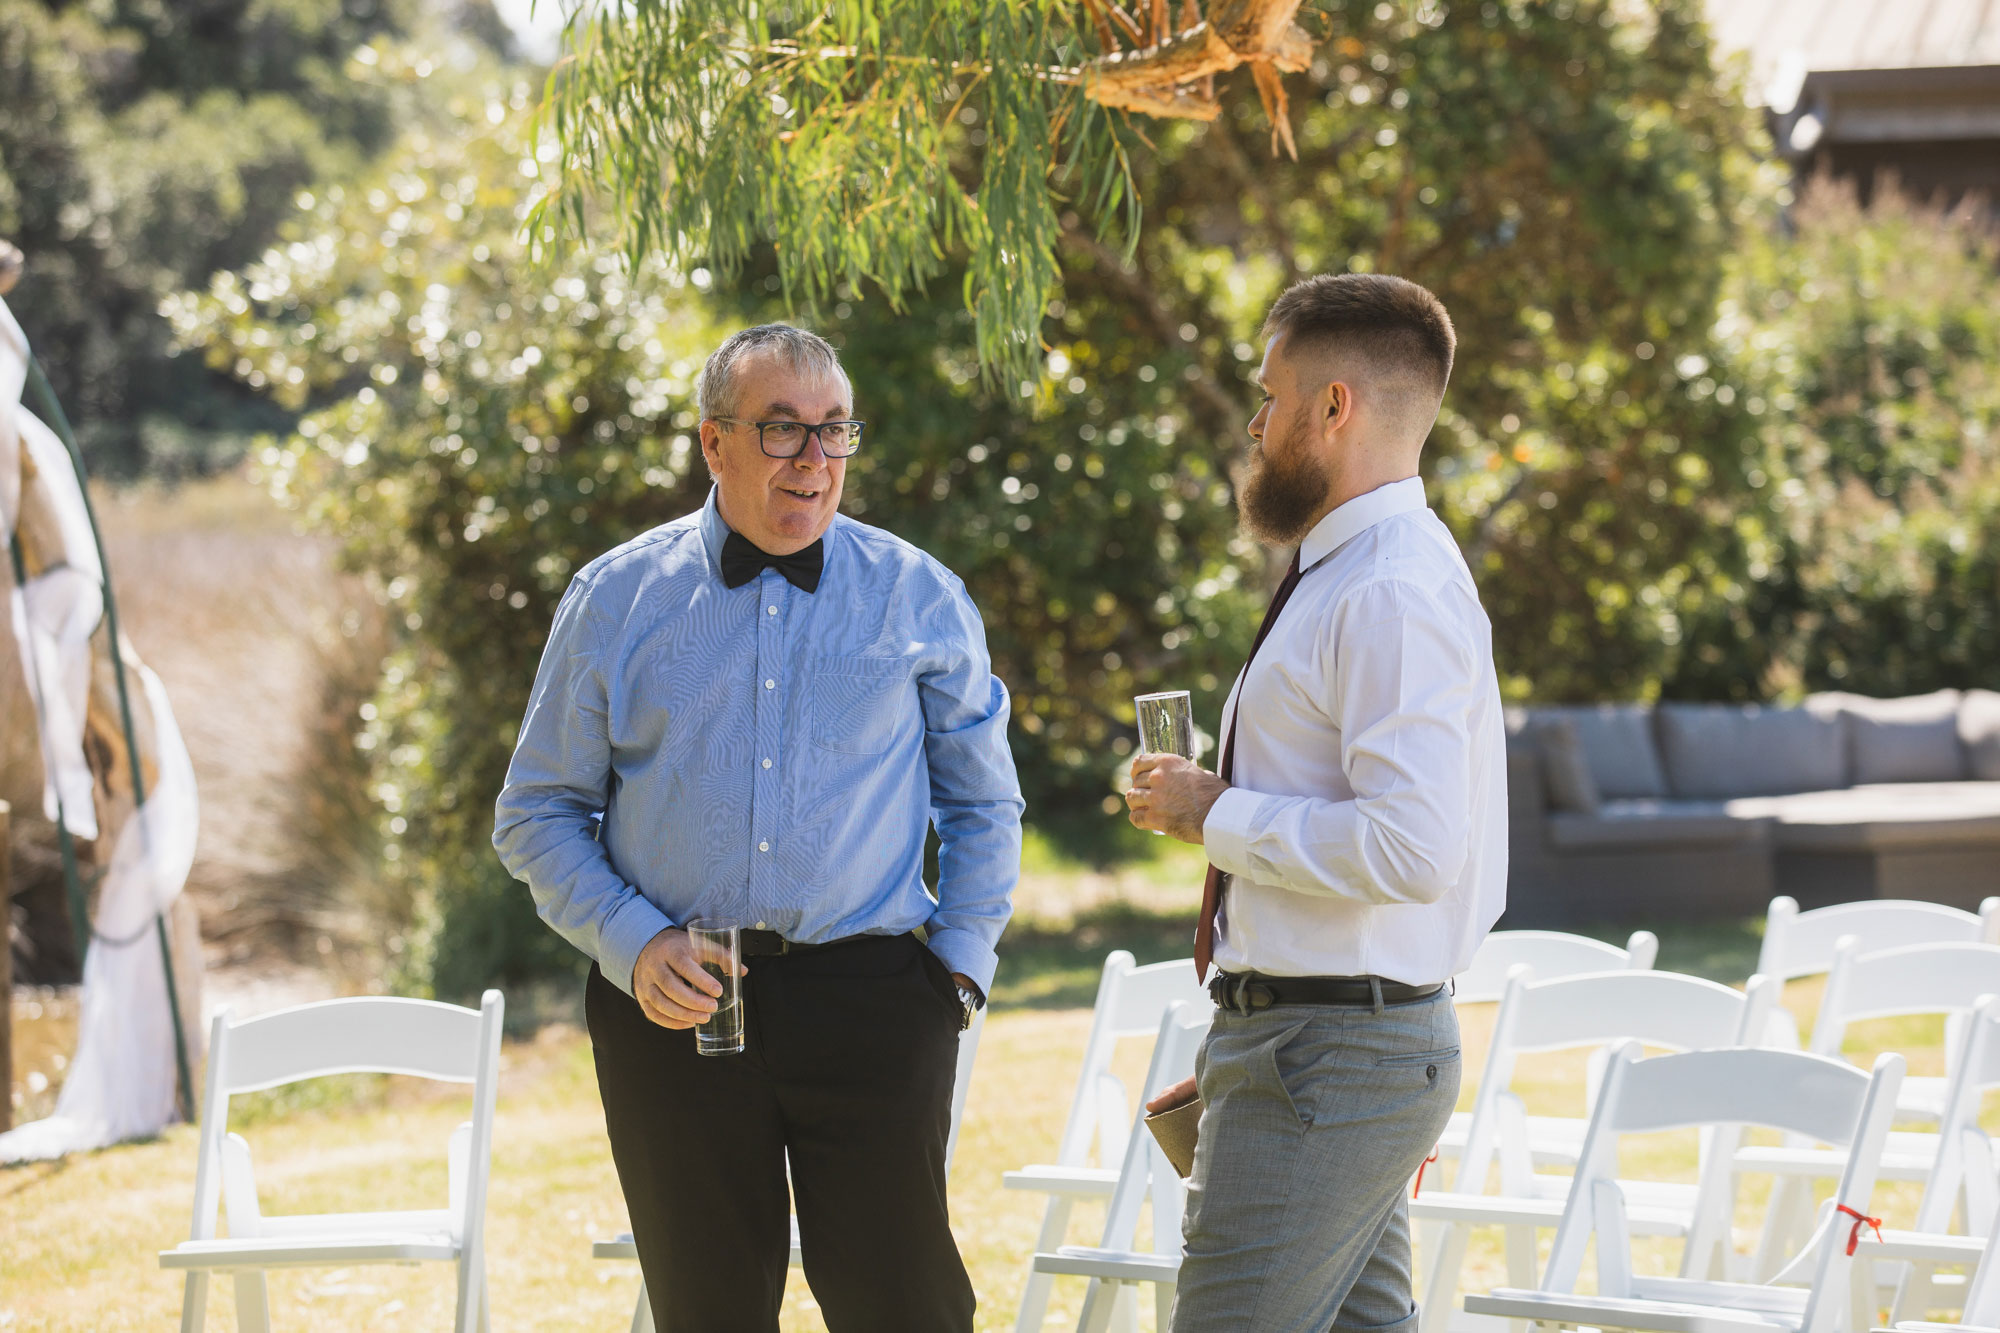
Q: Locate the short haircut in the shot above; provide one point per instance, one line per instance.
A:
(800, 352)
(1402, 330)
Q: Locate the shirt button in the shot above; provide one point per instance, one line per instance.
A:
(761, 926)
(763, 846)
(770, 610)
(770, 684)
(767, 763)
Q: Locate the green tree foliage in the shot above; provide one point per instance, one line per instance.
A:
(1875, 336)
(1570, 179)
(476, 429)
(144, 147)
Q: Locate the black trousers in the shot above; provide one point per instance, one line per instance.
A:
(847, 1069)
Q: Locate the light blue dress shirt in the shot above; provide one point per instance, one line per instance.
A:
(764, 755)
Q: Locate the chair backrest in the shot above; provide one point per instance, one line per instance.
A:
(1551, 953)
(1144, 1169)
(374, 1034)
(1801, 944)
(1964, 1166)
(1661, 1009)
(1911, 979)
(1130, 1003)
(968, 1050)
(1723, 1091)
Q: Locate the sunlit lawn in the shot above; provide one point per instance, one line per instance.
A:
(77, 1240)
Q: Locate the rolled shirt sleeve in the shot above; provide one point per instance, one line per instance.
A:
(1398, 680)
(558, 785)
(975, 796)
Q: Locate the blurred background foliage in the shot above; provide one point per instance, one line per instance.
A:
(144, 146)
(1702, 442)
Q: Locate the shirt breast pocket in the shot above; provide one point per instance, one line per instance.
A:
(856, 704)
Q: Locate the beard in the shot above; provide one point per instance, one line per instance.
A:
(1284, 491)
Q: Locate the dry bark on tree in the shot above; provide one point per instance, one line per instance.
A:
(1173, 73)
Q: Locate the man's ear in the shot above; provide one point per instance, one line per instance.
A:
(711, 443)
(1339, 404)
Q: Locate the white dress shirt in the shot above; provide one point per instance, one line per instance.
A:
(1366, 827)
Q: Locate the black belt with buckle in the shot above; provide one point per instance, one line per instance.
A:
(769, 943)
(1247, 992)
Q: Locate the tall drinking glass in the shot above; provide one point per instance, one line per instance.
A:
(719, 952)
(1166, 725)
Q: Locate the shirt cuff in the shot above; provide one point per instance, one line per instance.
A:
(1225, 834)
(962, 951)
(625, 935)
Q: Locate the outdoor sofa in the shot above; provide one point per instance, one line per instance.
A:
(1628, 811)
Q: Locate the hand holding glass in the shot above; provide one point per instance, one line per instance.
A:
(717, 949)
(1166, 725)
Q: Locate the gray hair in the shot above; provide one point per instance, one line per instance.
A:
(798, 351)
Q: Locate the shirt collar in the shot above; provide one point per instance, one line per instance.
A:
(1357, 516)
(714, 532)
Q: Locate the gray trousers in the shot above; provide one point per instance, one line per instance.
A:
(1316, 1117)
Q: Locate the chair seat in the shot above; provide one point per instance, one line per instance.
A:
(1117, 1265)
(1506, 1210)
(406, 1247)
(1094, 1182)
(1907, 1156)
(1923, 1245)
(621, 1246)
(1553, 1140)
(1620, 1312)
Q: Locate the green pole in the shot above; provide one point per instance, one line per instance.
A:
(52, 413)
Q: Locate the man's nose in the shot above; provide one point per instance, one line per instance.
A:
(812, 457)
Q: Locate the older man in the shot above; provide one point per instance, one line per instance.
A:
(1356, 833)
(768, 704)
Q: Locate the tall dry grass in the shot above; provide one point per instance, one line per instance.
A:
(267, 651)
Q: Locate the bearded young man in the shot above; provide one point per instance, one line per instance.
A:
(1356, 833)
(769, 704)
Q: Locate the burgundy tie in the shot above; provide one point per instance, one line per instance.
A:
(1211, 889)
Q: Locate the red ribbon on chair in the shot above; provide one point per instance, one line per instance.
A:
(1416, 1188)
(1860, 1219)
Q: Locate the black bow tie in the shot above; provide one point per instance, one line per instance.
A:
(742, 561)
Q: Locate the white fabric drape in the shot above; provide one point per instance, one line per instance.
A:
(121, 1083)
(122, 1080)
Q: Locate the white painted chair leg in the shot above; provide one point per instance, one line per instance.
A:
(1521, 1257)
(1163, 1305)
(253, 1304)
(642, 1313)
(1446, 1262)
(194, 1302)
(1125, 1308)
(485, 1300)
(1035, 1293)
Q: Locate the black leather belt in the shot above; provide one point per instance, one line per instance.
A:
(769, 943)
(1247, 992)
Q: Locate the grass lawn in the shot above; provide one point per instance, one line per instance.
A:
(77, 1239)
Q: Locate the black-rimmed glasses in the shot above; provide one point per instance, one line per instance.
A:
(787, 439)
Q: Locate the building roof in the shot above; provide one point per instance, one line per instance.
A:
(1789, 39)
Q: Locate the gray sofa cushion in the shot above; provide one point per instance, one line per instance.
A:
(1565, 768)
(1715, 751)
(1913, 739)
(1618, 741)
(1635, 825)
(1979, 732)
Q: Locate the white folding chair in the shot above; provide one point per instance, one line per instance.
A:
(1981, 1304)
(1915, 979)
(378, 1035)
(1551, 954)
(1826, 1100)
(1801, 944)
(1115, 1268)
(622, 1246)
(1659, 1009)
(1131, 1001)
